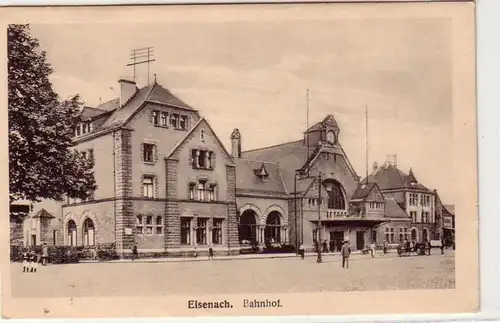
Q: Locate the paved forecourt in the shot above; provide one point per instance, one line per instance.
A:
(273, 275)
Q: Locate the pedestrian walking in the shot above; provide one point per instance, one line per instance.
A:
(325, 246)
(442, 247)
(210, 253)
(428, 243)
(345, 252)
(332, 246)
(385, 247)
(302, 251)
(26, 262)
(135, 253)
(45, 254)
(372, 250)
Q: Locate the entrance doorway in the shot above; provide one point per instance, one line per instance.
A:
(336, 237)
(360, 240)
(33, 239)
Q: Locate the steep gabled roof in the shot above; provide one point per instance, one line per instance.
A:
(394, 210)
(247, 178)
(390, 177)
(188, 134)
(116, 116)
(450, 208)
(43, 214)
(363, 191)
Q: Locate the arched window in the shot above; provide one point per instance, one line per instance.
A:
(247, 230)
(71, 233)
(88, 232)
(139, 225)
(336, 199)
(425, 235)
(273, 228)
(413, 234)
(159, 225)
(330, 137)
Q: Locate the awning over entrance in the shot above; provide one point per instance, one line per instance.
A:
(371, 223)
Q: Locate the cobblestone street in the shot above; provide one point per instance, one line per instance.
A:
(276, 275)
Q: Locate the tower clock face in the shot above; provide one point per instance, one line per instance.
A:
(330, 137)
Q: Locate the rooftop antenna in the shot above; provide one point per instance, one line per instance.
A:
(141, 56)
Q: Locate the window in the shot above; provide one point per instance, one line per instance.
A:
(413, 215)
(164, 119)
(159, 225)
(148, 152)
(155, 118)
(84, 154)
(389, 235)
(185, 231)
(211, 192)
(392, 235)
(148, 186)
(374, 236)
(183, 123)
(54, 237)
(201, 231)
(78, 130)
(139, 227)
(330, 137)
(174, 121)
(202, 135)
(217, 231)
(405, 230)
(335, 196)
(201, 191)
(202, 159)
(401, 235)
(84, 128)
(91, 155)
(149, 224)
(191, 193)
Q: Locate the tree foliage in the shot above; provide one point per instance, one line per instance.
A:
(42, 164)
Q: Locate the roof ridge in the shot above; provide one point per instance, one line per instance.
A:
(259, 161)
(273, 146)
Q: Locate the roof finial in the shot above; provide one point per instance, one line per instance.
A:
(155, 77)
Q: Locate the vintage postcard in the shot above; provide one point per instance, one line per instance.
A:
(265, 159)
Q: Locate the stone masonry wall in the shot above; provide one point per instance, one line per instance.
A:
(124, 208)
(172, 219)
(232, 221)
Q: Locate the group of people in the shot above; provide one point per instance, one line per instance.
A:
(31, 258)
(345, 252)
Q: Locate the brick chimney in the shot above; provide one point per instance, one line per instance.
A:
(236, 144)
(127, 91)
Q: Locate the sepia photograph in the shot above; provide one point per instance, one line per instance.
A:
(241, 159)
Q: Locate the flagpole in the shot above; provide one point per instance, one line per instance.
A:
(366, 141)
(307, 123)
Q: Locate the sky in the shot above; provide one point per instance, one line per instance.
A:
(253, 75)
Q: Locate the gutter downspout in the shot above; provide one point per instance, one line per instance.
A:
(114, 181)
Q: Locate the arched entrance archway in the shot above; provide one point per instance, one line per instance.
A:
(414, 234)
(71, 232)
(247, 230)
(88, 232)
(272, 233)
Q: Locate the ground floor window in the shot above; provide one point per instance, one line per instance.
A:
(88, 232)
(217, 231)
(273, 227)
(159, 225)
(201, 231)
(185, 231)
(374, 236)
(71, 232)
(389, 235)
(247, 229)
(414, 234)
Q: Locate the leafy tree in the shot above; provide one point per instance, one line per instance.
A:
(42, 164)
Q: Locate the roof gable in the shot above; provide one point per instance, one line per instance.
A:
(201, 125)
(368, 191)
(394, 210)
(328, 121)
(249, 179)
(390, 177)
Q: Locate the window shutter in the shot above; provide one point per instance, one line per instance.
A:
(157, 187)
(151, 116)
(142, 151)
(213, 159)
(191, 159)
(142, 184)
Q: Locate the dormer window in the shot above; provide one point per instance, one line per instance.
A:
(261, 173)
